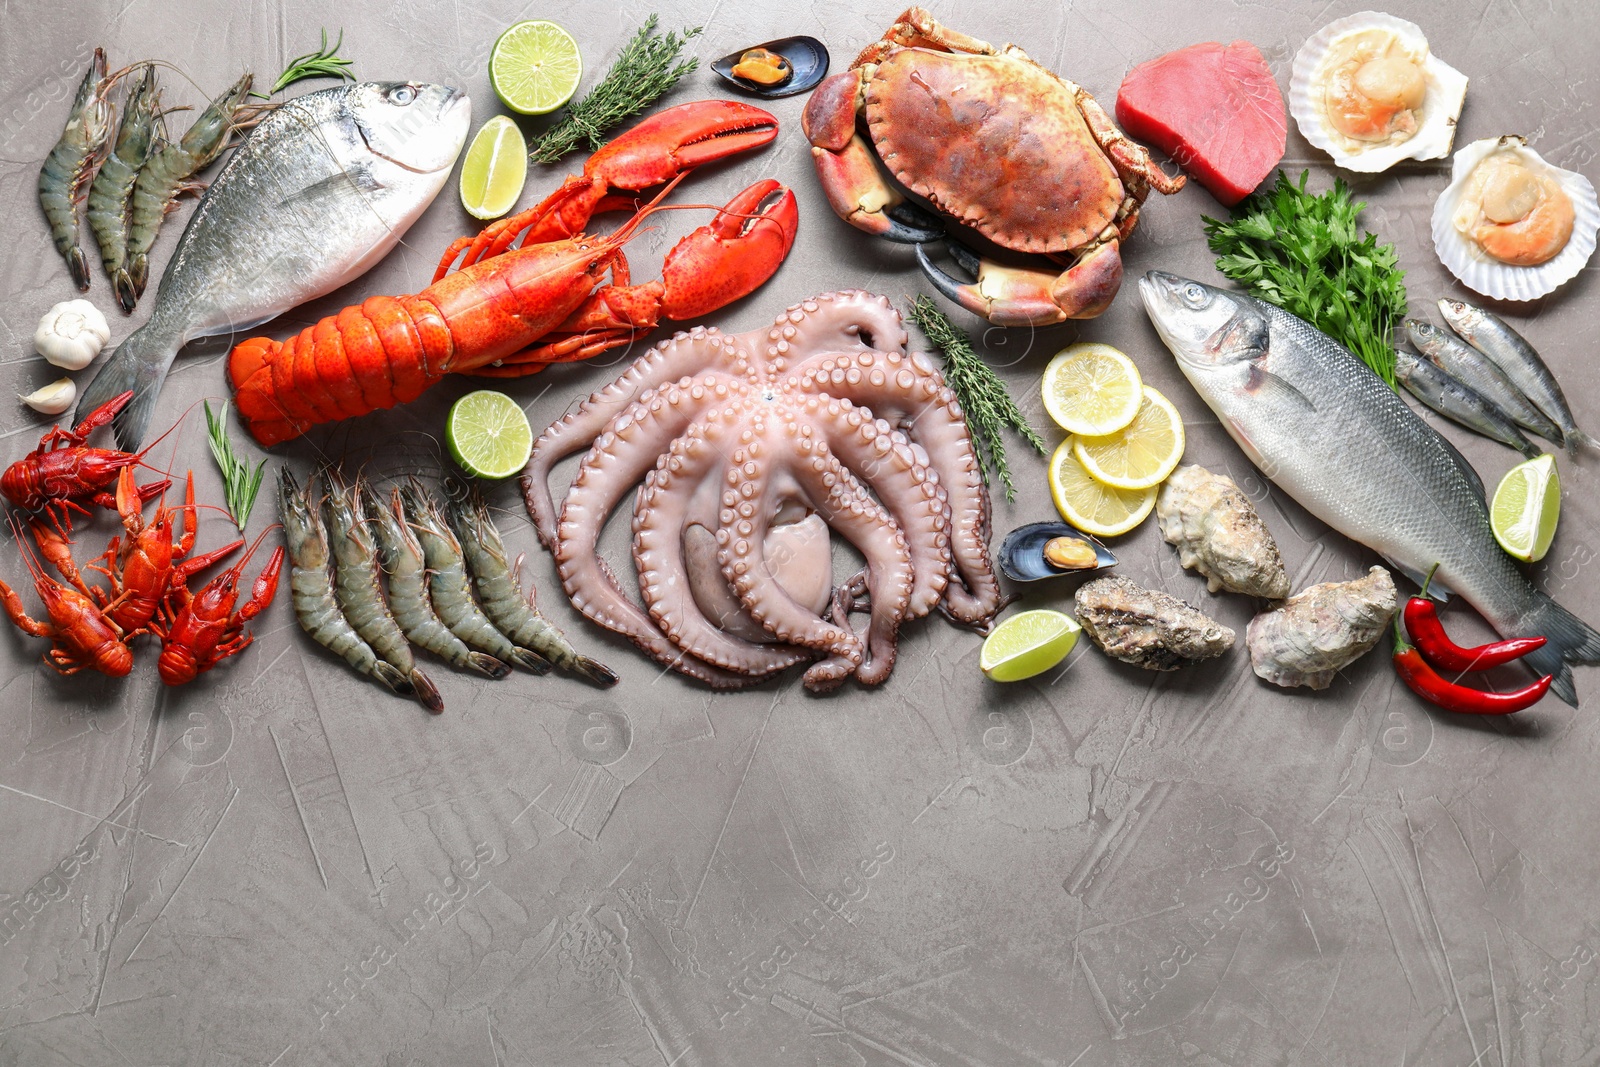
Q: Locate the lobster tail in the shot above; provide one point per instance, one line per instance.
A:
(382, 352)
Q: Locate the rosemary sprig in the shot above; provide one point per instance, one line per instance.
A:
(325, 62)
(983, 396)
(642, 73)
(240, 483)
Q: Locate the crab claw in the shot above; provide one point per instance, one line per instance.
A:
(731, 255)
(679, 139)
(1017, 296)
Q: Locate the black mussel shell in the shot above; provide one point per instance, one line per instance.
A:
(806, 55)
(1022, 554)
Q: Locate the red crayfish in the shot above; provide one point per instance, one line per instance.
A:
(510, 312)
(80, 633)
(200, 629)
(63, 473)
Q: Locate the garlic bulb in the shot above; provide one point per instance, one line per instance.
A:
(52, 399)
(71, 334)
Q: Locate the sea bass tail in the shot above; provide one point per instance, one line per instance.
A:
(1570, 640)
(140, 363)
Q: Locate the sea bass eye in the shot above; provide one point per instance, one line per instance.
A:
(402, 95)
(1194, 295)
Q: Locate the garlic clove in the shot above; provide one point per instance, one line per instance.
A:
(71, 334)
(52, 399)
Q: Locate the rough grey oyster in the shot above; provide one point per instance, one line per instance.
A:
(1146, 627)
(1217, 532)
(1320, 630)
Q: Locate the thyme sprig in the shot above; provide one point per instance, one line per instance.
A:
(325, 62)
(984, 399)
(240, 483)
(644, 71)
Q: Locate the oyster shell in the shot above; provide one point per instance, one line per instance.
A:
(1337, 50)
(1217, 532)
(1321, 630)
(1454, 217)
(1146, 627)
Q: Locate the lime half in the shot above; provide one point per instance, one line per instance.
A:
(1527, 504)
(1027, 644)
(488, 435)
(494, 170)
(535, 67)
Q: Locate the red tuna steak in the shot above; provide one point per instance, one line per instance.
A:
(1215, 109)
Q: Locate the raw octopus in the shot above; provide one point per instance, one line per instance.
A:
(750, 448)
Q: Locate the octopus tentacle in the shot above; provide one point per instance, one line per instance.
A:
(847, 321)
(756, 483)
(685, 354)
(659, 518)
(885, 460)
(620, 457)
(910, 393)
(850, 509)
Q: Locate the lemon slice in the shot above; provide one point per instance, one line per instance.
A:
(1527, 503)
(488, 435)
(1091, 389)
(494, 170)
(1141, 455)
(1090, 505)
(1027, 644)
(535, 67)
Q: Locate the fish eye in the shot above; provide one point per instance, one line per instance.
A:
(402, 95)
(1194, 295)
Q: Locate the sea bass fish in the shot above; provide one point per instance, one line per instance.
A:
(1332, 435)
(317, 194)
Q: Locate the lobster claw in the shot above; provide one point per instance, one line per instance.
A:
(680, 138)
(731, 255)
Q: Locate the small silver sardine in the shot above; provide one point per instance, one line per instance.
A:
(1489, 334)
(1327, 431)
(1456, 400)
(319, 192)
(1457, 358)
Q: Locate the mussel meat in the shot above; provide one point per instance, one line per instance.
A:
(783, 67)
(1049, 549)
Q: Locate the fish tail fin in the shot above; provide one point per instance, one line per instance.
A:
(1576, 437)
(1528, 449)
(1568, 640)
(140, 363)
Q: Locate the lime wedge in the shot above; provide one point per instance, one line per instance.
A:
(1526, 506)
(488, 435)
(1028, 644)
(535, 67)
(494, 170)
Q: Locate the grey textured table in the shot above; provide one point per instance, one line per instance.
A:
(282, 865)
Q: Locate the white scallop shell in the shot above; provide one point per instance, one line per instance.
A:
(1436, 132)
(1482, 273)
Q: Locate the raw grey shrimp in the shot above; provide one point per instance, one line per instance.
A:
(359, 591)
(112, 188)
(406, 571)
(451, 589)
(311, 588)
(168, 174)
(501, 594)
(71, 163)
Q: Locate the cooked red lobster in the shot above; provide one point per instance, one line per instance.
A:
(508, 313)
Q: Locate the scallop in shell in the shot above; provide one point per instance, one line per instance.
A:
(1512, 226)
(1366, 90)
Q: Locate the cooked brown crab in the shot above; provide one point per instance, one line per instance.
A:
(999, 143)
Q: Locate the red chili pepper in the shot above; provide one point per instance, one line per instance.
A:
(1428, 684)
(1422, 623)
